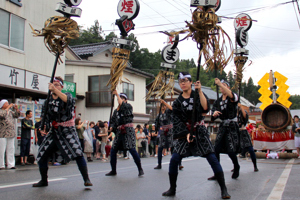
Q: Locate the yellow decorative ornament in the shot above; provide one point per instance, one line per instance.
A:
(264, 91)
(282, 88)
(57, 33)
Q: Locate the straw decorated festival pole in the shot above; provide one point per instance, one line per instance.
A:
(164, 82)
(242, 25)
(210, 38)
(127, 12)
(58, 32)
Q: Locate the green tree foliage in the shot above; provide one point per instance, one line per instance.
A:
(93, 34)
(231, 79)
(150, 62)
(110, 36)
(295, 99)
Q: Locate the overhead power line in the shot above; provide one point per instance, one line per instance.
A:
(159, 13)
(295, 2)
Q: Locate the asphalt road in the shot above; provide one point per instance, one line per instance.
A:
(277, 179)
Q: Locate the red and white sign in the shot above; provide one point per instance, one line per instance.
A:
(243, 20)
(173, 40)
(129, 8)
(128, 25)
(275, 141)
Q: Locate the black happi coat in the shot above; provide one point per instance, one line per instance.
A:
(182, 113)
(166, 136)
(228, 134)
(121, 117)
(245, 140)
(61, 143)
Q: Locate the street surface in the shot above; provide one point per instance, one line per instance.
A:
(277, 179)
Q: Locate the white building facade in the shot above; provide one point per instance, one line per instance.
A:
(25, 63)
(91, 73)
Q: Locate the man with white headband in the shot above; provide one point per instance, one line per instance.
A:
(121, 123)
(200, 145)
(62, 138)
(7, 133)
(227, 140)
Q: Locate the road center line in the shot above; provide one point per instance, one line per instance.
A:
(279, 187)
(74, 175)
(28, 183)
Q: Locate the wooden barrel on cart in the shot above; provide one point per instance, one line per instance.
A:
(276, 117)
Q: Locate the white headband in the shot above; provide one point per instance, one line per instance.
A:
(223, 81)
(2, 102)
(181, 76)
(123, 95)
(55, 79)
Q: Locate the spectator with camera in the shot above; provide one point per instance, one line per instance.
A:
(7, 133)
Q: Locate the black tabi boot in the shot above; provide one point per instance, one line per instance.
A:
(255, 166)
(172, 190)
(141, 171)
(44, 175)
(213, 178)
(221, 180)
(158, 167)
(113, 171)
(236, 172)
(85, 176)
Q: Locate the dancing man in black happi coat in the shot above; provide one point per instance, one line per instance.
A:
(164, 122)
(122, 125)
(245, 140)
(227, 140)
(62, 141)
(200, 145)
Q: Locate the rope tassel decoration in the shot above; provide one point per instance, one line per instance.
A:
(160, 87)
(120, 59)
(203, 30)
(57, 32)
(239, 62)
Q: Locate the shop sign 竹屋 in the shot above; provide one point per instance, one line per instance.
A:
(12, 76)
(37, 82)
(20, 78)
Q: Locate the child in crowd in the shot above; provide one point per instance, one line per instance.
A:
(88, 144)
(104, 135)
(140, 136)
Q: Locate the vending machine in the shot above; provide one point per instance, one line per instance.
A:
(36, 108)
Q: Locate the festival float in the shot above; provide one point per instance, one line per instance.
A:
(275, 133)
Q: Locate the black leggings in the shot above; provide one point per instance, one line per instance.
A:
(211, 158)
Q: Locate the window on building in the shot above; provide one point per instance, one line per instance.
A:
(129, 90)
(69, 77)
(98, 94)
(12, 30)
